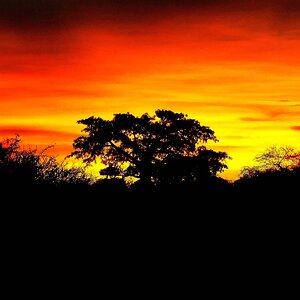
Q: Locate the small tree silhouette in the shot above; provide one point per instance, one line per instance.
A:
(274, 159)
(26, 167)
(18, 165)
(276, 174)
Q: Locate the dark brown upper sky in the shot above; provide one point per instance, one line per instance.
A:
(57, 14)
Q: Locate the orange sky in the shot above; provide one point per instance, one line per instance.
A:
(234, 67)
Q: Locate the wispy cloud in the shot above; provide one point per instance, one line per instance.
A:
(44, 134)
(297, 128)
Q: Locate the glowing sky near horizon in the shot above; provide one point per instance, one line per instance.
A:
(233, 66)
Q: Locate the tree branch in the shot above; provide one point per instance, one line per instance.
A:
(120, 150)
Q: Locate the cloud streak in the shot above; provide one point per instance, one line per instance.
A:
(296, 128)
(26, 132)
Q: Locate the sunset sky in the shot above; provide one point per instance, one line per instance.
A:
(233, 65)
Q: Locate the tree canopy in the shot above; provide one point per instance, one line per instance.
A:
(167, 147)
(274, 159)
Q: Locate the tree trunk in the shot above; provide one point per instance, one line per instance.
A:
(145, 174)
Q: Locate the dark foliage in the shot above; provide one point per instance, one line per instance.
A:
(275, 177)
(167, 148)
(148, 159)
(25, 169)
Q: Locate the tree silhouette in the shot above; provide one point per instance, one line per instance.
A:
(17, 165)
(154, 149)
(277, 172)
(20, 166)
(274, 159)
(279, 158)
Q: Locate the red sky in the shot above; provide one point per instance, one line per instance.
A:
(233, 66)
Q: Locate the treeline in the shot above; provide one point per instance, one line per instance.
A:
(149, 156)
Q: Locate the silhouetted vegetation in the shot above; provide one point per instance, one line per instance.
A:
(157, 152)
(276, 174)
(164, 155)
(29, 170)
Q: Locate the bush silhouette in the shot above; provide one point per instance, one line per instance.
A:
(28, 168)
(275, 176)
